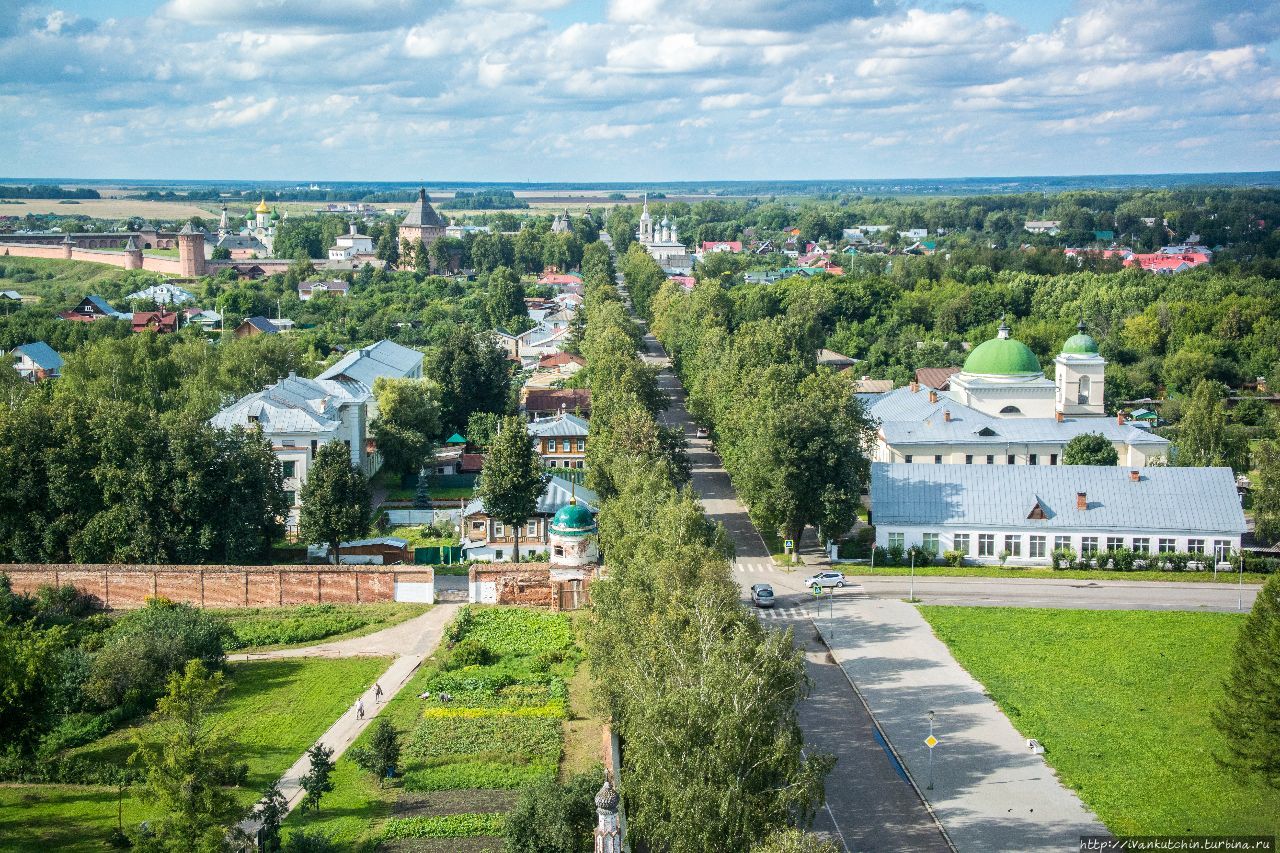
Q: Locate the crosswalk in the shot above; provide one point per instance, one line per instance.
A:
(782, 613)
(750, 567)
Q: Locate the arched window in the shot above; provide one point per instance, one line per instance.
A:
(146, 245)
(1083, 396)
(1011, 410)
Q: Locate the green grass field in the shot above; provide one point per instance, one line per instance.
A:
(275, 709)
(1121, 700)
(1063, 574)
(261, 628)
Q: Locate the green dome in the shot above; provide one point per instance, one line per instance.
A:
(1080, 343)
(573, 519)
(1002, 356)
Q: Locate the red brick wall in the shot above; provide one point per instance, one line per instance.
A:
(124, 587)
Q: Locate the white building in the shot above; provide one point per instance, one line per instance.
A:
(488, 539)
(662, 241)
(1043, 226)
(1002, 410)
(984, 512)
(347, 246)
(164, 294)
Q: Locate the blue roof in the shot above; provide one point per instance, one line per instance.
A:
(43, 355)
(907, 417)
(1163, 500)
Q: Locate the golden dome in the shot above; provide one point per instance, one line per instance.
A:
(262, 207)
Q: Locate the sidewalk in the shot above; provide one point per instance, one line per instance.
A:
(412, 641)
(989, 791)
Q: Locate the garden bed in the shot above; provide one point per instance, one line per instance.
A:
(259, 628)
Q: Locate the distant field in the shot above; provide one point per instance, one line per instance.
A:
(1121, 701)
(109, 208)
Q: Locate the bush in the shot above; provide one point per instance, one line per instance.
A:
(554, 818)
(894, 555)
(919, 556)
(302, 841)
(382, 756)
(1062, 558)
(468, 652)
(955, 559)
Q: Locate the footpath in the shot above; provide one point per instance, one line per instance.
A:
(989, 790)
(411, 642)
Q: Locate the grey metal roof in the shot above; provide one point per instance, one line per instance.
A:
(41, 354)
(292, 405)
(565, 424)
(1182, 500)
(263, 324)
(385, 358)
(103, 305)
(557, 494)
(422, 214)
(908, 418)
(163, 294)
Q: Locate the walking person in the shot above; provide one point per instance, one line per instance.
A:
(377, 693)
(360, 709)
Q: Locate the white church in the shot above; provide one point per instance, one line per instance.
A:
(1001, 409)
(662, 242)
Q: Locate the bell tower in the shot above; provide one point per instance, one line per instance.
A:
(1080, 376)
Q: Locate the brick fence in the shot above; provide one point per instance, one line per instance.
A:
(125, 586)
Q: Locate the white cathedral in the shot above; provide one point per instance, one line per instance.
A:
(662, 242)
(1001, 409)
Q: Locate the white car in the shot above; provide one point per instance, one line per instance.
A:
(825, 580)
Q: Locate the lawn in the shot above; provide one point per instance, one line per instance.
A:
(1064, 574)
(284, 627)
(1121, 700)
(463, 762)
(275, 709)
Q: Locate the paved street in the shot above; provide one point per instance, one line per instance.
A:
(871, 804)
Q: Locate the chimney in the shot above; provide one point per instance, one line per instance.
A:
(933, 396)
(1082, 501)
(915, 386)
(1058, 416)
(946, 416)
(1135, 476)
(1120, 418)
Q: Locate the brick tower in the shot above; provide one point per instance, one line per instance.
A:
(191, 251)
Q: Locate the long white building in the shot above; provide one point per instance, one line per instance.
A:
(986, 511)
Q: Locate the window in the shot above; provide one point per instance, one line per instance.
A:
(1053, 459)
(1088, 545)
(566, 445)
(1061, 543)
(930, 543)
(1083, 397)
(1115, 543)
(986, 544)
(1142, 545)
(1013, 544)
(478, 524)
(1037, 549)
(499, 530)
(498, 554)
(313, 448)
(937, 459)
(1011, 460)
(1011, 410)
(531, 529)
(582, 445)
(968, 459)
(1221, 550)
(288, 442)
(897, 540)
(961, 543)
(1168, 546)
(580, 465)
(290, 498)
(289, 469)
(559, 551)
(991, 460)
(551, 463)
(907, 459)
(1195, 546)
(1033, 459)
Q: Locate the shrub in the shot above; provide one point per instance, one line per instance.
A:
(879, 556)
(1004, 556)
(955, 559)
(919, 556)
(553, 817)
(382, 756)
(1063, 558)
(894, 555)
(468, 652)
(302, 841)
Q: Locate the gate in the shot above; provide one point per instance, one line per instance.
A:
(571, 595)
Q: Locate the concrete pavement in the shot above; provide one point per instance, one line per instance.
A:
(989, 790)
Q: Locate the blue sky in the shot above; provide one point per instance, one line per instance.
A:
(563, 90)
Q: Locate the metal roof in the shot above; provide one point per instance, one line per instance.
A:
(263, 324)
(564, 424)
(292, 405)
(907, 417)
(422, 214)
(1181, 500)
(41, 354)
(385, 358)
(163, 294)
(557, 494)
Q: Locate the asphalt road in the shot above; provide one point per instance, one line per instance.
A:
(871, 805)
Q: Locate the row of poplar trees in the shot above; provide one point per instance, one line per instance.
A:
(702, 697)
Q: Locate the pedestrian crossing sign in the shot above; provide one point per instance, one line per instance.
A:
(789, 544)
(931, 741)
(817, 590)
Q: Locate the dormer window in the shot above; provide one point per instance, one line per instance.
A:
(986, 432)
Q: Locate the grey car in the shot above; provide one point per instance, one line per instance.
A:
(762, 595)
(826, 580)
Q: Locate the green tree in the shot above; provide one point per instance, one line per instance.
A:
(270, 813)
(408, 421)
(504, 300)
(421, 260)
(554, 817)
(481, 428)
(1202, 438)
(474, 376)
(382, 755)
(441, 257)
(388, 249)
(188, 764)
(1090, 448)
(316, 782)
(28, 671)
(1266, 492)
(335, 499)
(794, 841)
(513, 478)
(1249, 714)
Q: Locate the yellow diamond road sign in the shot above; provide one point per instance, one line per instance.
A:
(931, 741)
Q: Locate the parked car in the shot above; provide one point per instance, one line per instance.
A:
(703, 432)
(825, 580)
(762, 595)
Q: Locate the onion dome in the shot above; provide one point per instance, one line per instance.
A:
(262, 206)
(1080, 343)
(607, 798)
(573, 519)
(1002, 356)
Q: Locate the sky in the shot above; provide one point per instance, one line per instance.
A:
(636, 90)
